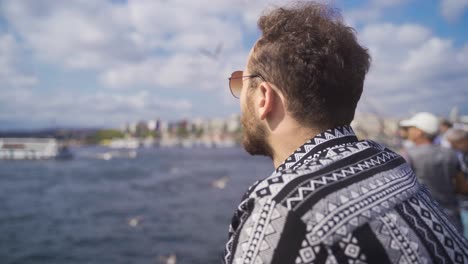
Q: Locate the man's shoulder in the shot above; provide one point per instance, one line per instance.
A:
(449, 153)
(431, 153)
(325, 170)
(430, 148)
(344, 190)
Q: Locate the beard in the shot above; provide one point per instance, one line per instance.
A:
(254, 137)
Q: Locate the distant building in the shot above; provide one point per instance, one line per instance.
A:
(162, 126)
(131, 128)
(233, 124)
(152, 124)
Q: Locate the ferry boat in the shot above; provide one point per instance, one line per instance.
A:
(32, 149)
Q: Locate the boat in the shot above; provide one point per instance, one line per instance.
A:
(119, 154)
(64, 153)
(32, 149)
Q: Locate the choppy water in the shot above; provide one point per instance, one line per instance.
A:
(123, 210)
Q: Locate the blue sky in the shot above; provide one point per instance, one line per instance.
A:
(103, 63)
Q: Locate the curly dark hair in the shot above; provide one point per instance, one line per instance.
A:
(308, 52)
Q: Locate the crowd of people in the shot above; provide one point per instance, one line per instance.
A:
(437, 150)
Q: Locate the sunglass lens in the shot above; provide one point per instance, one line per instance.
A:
(235, 83)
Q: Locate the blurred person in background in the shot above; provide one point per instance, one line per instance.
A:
(332, 198)
(441, 138)
(403, 137)
(458, 139)
(435, 166)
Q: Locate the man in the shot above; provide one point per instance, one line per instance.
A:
(332, 198)
(403, 136)
(458, 138)
(435, 166)
(441, 139)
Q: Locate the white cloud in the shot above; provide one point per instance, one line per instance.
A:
(140, 42)
(185, 25)
(413, 70)
(13, 74)
(141, 49)
(132, 45)
(181, 71)
(96, 35)
(77, 34)
(371, 11)
(186, 30)
(387, 3)
(100, 109)
(453, 9)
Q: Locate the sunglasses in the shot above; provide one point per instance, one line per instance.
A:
(236, 80)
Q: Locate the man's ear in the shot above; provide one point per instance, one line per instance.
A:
(267, 99)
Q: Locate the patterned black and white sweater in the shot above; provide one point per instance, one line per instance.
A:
(340, 200)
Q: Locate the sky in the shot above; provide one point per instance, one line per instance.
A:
(81, 63)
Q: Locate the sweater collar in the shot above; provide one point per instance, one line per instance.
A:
(329, 138)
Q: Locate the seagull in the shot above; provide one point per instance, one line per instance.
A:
(220, 183)
(212, 54)
(134, 221)
(171, 259)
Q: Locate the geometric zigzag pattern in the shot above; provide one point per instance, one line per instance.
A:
(258, 231)
(340, 220)
(398, 240)
(310, 186)
(377, 191)
(240, 216)
(341, 150)
(444, 237)
(279, 179)
(439, 253)
(309, 146)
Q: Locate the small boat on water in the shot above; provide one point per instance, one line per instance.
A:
(32, 149)
(122, 154)
(64, 153)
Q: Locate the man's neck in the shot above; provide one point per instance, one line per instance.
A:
(284, 144)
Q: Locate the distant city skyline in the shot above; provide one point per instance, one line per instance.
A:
(106, 63)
